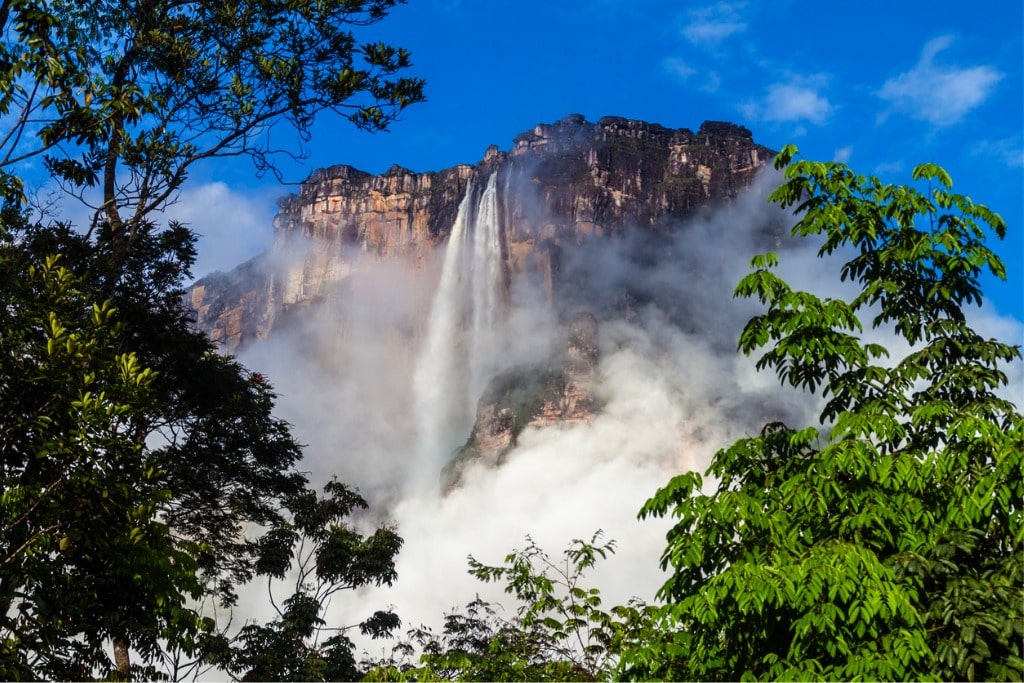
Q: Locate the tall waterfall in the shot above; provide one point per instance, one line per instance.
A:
(458, 355)
(485, 284)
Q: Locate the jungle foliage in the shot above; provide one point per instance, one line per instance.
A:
(883, 542)
(559, 631)
(143, 471)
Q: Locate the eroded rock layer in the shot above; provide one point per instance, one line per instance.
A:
(559, 185)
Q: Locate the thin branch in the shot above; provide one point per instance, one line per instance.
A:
(10, 557)
(45, 492)
(18, 128)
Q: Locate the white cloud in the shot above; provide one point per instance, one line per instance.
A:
(843, 154)
(232, 226)
(712, 31)
(711, 82)
(678, 68)
(940, 95)
(1007, 150)
(798, 100)
(888, 168)
(710, 25)
(706, 81)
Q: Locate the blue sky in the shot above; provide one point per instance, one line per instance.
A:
(880, 85)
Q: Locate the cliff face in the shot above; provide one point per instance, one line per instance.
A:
(559, 185)
(560, 392)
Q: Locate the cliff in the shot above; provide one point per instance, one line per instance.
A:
(559, 392)
(560, 185)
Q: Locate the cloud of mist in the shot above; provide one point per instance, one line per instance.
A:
(674, 389)
(230, 224)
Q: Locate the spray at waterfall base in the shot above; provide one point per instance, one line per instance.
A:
(387, 411)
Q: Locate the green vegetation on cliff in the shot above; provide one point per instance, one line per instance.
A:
(513, 397)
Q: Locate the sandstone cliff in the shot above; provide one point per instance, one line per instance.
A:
(560, 392)
(560, 185)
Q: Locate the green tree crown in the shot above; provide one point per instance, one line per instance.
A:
(885, 542)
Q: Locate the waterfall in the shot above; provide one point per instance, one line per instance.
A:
(485, 284)
(457, 358)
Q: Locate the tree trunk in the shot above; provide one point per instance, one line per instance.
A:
(121, 660)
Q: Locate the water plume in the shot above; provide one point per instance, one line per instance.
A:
(457, 359)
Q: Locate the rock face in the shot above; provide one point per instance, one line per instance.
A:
(559, 185)
(559, 393)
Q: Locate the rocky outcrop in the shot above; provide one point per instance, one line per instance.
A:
(560, 392)
(559, 184)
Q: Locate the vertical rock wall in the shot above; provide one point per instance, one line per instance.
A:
(559, 185)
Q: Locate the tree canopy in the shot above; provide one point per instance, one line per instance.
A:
(328, 555)
(142, 470)
(128, 96)
(85, 557)
(885, 542)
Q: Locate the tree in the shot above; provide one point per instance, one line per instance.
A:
(130, 95)
(323, 554)
(559, 632)
(134, 494)
(884, 543)
(227, 467)
(85, 556)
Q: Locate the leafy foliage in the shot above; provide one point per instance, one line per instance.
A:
(885, 543)
(141, 468)
(203, 459)
(85, 554)
(328, 556)
(132, 94)
(559, 633)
